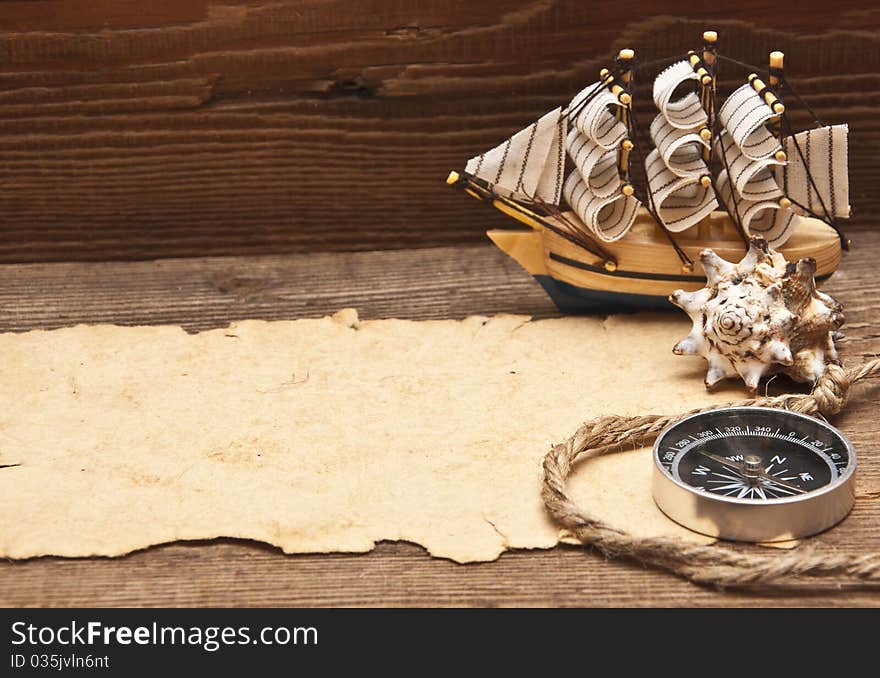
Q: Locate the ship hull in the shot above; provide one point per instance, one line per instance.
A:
(583, 300)
(648, 270)
(579, 300)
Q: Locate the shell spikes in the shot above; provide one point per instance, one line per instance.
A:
(758, 317)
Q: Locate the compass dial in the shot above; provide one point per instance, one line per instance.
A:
(749, 456)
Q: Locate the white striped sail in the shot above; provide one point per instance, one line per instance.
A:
(822, 152)
(676, 165)
(762, 217)
(744, 115)
(814, 174)
(608, 218)
(752, 179)
(595, 111)
(680, 202)
(747, 184)
(596, 166)
(681, 149)
(683, 112)
(530, 164)
(594, 189)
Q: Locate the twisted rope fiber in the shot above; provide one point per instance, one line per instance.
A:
(709, 565)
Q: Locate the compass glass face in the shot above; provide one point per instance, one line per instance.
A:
(753, 454)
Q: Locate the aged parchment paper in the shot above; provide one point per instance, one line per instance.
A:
(325, 435)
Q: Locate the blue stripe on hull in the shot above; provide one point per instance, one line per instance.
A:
(571, 299)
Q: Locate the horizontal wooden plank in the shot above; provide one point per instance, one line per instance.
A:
(426, 283)
(234, 573)
(205, 293)
(212, 127)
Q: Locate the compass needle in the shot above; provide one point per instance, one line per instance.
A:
(726, 477)
(721, 488)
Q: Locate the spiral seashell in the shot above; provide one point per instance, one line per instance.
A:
(760, 317)
(732, 324)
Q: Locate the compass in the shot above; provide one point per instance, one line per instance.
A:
(754, 474)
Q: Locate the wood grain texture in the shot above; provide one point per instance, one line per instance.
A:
(422, 283)
(208, 127)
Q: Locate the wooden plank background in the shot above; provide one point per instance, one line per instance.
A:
(133, 129)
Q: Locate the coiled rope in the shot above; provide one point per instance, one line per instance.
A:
(804, 567)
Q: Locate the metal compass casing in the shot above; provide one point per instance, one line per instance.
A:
(754, 474)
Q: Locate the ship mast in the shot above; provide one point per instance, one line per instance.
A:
(625, 60)
(777, 60)
(707, 84)
(707, 99)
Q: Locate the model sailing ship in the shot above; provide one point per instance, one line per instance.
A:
(612, 226)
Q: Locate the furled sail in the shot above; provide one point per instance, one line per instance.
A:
(596, 116)
(609, 217)
(597, 166)
(530, 164)
(685, 112)
(824, 151)
(595, 190)
(675, 168)
(750, 156)
(680, 202)
(679, 148)
(758, 216)
(744, 115)
(761, 186)
(753, 179)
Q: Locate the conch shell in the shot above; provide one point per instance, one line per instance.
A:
(759, 317)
